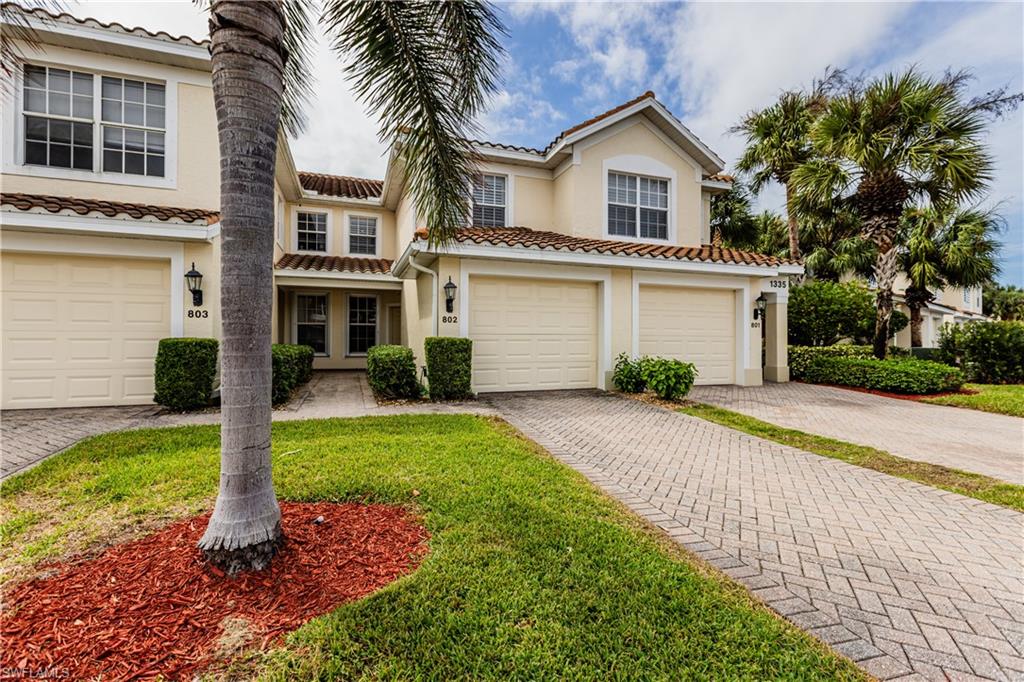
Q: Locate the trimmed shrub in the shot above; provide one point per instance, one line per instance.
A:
(801, 357)
(822, 313)
(391, 372)
(628, 375)
(988, 352)
(449, 367)
(292, 366)
(669, 379)
(914, 377)
(184, 373)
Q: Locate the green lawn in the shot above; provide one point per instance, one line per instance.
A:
(972, 485)
(532, 573)
(1001, 399)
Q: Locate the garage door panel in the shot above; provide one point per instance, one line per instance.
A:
(692, 325)
(546, 337)
(81, 331)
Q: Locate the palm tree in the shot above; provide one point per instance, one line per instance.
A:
(945, 249)
(426, 69)
(732, 223)
(833, 246)
(778, 142)
(883, 145)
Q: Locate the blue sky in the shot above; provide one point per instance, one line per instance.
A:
(708, 62)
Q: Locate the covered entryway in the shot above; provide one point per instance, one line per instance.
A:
(692, 325)
(81, 331)
(533, 334)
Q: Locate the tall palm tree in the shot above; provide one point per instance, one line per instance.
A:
(955, 248)
(833, 246)
(426, 69)
(779, 142)
(885, 144)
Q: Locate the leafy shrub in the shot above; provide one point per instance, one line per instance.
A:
(449, 367)
(292, 366)
(628, 375)
(988, 352)
(669, 379)
(822, 313)
(893, 376)
(391, 372)
(184, 373)
(801, 357)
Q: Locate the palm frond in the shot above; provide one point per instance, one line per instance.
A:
(299, 41)
(18, 35)
(425, 70)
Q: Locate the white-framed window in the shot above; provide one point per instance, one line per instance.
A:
(362, 235)
(362, 323)
(967, 296)
(59, 110)
(637, 206)
(311, 231)
(61, 106)
(311, 321)
(489, 200)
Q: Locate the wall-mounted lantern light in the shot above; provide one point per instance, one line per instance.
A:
(762, 305)
(449, 295)
(194, 279)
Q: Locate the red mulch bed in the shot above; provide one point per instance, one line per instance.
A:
(900, 396)
(154, 607)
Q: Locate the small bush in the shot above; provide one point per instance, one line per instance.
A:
(628, 375)
(292, 366)
(669, 379)
(915, 377)
(391, 372)
(822, 313)
(801, 357)
(449, 367)
(184, 373)
(988, 352)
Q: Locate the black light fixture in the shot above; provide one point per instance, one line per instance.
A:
(762, 305)
(194, 279)
(449, 295)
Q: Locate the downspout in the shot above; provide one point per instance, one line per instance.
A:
(433, 288)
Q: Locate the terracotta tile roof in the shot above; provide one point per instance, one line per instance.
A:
(720, 177)
(63, 17)
(590, 121)
(523, 237)
(111, 209)
(302, 261)
(341, 185)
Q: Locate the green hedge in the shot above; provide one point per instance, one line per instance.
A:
(915, 377)
(669, 379)
(449, 367)
(184, 373)
(628, 375)
(391, 372)
(801, 357)
(988, 352)
(292, 366)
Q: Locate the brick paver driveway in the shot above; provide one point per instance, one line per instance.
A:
(990, 444)
(907, 580)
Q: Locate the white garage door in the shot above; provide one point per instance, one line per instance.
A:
(693, 325)
(81, 331)
(532, 334)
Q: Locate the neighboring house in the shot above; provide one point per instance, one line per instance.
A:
(593, 246)
(952, 305)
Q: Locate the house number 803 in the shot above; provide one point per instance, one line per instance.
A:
(198, 313)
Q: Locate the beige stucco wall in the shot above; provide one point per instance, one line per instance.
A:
(533, 202)
(405, 222)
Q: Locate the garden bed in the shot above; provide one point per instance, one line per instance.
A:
(153, 607)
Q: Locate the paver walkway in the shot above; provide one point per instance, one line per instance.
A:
(985, 443)
(909, 581)
(29, 436)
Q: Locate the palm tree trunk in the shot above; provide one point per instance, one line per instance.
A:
(886, 268)
(247, 50)
(794, 229)
(915, 324)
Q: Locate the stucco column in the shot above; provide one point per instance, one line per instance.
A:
(776, 363)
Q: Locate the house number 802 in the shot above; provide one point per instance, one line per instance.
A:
(449, 319)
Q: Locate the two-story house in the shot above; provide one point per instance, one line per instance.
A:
(952, 305)
(596, 245)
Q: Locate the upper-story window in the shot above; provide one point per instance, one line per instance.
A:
(967, 296)
(362, 235)
(133, 127)
(637, 206)
(61, 108)
(59, 115)
(311, 231)
(489, 200)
